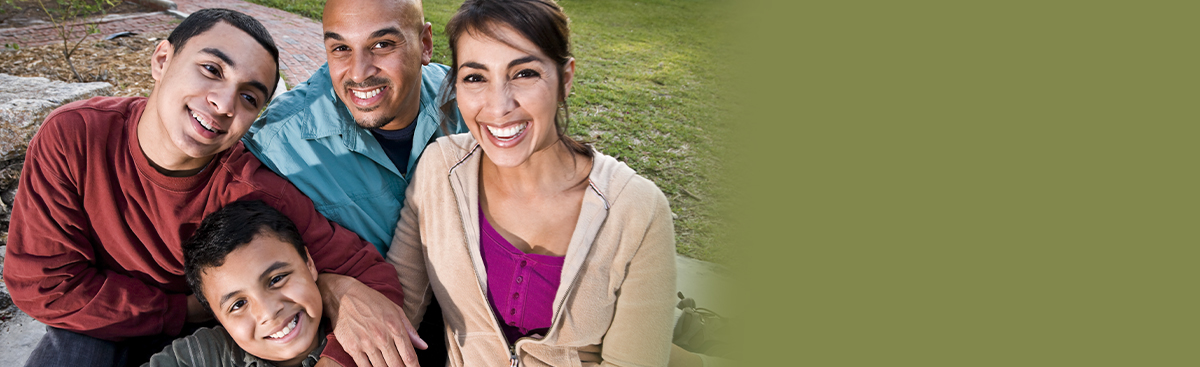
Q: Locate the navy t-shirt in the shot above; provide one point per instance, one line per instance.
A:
(397, 144)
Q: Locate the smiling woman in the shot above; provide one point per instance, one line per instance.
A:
(572, 251)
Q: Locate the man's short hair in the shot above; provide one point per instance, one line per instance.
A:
(204, 19)
(229, 228)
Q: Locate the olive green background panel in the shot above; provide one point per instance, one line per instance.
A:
(966, 183)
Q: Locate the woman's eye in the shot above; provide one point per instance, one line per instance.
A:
(527, 73)
(237, 305)
(473, 78)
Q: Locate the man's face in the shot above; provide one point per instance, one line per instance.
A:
(207, 94)
(375, 52)
(266, 297)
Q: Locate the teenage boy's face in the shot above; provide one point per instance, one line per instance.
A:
(266, 297)
(208, 93)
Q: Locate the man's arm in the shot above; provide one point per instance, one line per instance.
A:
(361, 293)
(51, 264)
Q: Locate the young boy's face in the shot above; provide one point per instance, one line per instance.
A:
(266, 297)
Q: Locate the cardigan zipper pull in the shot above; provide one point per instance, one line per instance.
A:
(512, 357)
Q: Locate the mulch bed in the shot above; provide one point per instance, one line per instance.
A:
(23, 13)
(123, 62)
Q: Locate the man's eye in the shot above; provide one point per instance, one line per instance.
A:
(237, 305)
(382, 44)
(341, 48)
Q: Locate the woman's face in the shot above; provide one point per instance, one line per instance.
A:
(508, 94)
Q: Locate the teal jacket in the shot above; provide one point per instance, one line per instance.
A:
(309, 136)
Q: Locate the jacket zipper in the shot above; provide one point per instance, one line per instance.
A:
(512, 349)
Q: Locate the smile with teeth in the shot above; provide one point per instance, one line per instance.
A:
(286, 329)
(207, 125)
(507, 133)
(368, 94)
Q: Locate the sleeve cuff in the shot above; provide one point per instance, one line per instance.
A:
(333, 350)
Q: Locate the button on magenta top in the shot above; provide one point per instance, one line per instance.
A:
(531, 279)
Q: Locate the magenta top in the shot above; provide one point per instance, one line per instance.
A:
(521, 286)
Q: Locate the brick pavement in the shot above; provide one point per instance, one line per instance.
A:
(300, 40)
(46, 34)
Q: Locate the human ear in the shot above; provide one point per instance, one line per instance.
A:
(568, 74)
(160, 59)
(312, 269)
(426, 43)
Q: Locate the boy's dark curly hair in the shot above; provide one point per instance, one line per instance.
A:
(228, 229)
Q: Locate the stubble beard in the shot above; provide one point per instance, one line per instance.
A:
(375, 123)
(367, 122)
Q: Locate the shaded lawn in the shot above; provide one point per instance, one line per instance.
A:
(648, 92)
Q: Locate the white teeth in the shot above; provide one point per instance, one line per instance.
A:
(286, 329)
(366, 95)
(507, 132)
(205, 124)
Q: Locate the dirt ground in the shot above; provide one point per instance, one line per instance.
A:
(23, 13)
(123, 62)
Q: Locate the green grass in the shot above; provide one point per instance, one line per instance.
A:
(647, 91)
(307, 8)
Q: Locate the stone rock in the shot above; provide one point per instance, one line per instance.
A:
(25, 102)
(5, 299)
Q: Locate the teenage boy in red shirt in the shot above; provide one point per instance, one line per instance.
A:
(111, 187)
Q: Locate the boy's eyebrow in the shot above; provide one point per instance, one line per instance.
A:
(219, 55)
(261, 87)
(275, 266)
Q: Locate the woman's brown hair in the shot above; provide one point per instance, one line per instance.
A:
(540, 21)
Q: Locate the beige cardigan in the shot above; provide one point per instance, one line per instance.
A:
(615, 304)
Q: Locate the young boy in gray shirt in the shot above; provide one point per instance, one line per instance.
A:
(247, 264)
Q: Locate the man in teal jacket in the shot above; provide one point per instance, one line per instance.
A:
(350, 136)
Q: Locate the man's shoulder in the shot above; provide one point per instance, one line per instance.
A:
(432, 76)
(297, 110)
(245, 168)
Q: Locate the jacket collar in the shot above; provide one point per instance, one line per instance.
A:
(464, 180)
(359, 140)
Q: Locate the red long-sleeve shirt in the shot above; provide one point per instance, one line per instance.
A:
(96, 232)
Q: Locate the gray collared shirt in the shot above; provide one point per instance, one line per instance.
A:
(213, 347)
